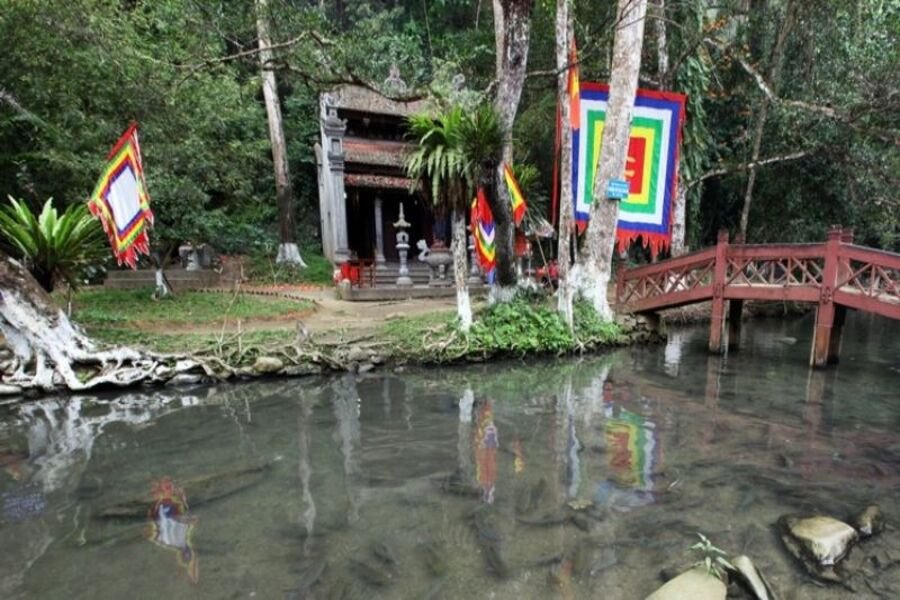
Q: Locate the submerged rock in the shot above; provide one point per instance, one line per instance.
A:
(869, 522)
(752, 578)
(820, 543)
(695, 584)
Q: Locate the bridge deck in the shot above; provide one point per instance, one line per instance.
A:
(835, 275)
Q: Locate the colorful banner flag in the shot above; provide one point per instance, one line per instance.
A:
(120, 200)
(482, 223)
(515, 195)
(651, 168)
(573, 85)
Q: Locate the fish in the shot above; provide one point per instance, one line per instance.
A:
(374, 576)
(490, 542)
(434, 555)
(384, 553)
(308, 579)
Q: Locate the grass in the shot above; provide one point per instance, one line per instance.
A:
(123, 308)
(184, 342)
(525, 326)
(262, 270)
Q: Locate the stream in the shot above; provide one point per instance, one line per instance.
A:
(545, 478)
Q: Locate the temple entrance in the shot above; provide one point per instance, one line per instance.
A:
(363, 209)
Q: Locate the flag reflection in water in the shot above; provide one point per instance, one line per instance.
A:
(171, 524)
(634, 453)
(486, 444)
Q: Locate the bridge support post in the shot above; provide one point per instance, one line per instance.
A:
(837, 333)
(735, 308)
(825, 314)
(717, 318)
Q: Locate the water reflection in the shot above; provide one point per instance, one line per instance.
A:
(172, 524)
(408, 476)
(486, 443)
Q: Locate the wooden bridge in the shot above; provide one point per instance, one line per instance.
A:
(836, 275)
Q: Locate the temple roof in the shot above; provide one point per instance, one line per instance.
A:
(379, 181)
(363, 99)
(376, 152)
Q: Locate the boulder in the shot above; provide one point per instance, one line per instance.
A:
(752, 579)
(818, 542)
(185, 379)
(694, 584)
(265, 365)
(358, 355)
(869, 522)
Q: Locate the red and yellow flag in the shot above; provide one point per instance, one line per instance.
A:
(574, 88)
(482, 222)
(120, 200)
(515, 195)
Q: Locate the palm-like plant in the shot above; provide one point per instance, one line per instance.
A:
(456, 152)
(54, 247)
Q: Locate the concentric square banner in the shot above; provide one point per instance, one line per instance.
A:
(651, 169)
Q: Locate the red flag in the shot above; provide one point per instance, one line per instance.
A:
(574, 88)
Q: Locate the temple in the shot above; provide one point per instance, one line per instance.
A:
(362, 178)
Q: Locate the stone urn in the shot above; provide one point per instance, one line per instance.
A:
(437, 260)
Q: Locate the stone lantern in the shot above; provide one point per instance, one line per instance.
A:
(403, 279)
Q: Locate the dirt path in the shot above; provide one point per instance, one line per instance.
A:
(329, 314)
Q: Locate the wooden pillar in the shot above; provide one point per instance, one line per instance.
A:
(735, 308)
(825, 311)
(837, 332)
(717, 318)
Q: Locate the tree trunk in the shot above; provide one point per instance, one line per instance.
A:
(679, 208)
(288, 252)
(592, 274)
(44, 350)
(762, 116)
(564, 31)
(512, 29)
(460, 270)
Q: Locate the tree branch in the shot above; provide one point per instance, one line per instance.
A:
(890, 137)
(747, 166)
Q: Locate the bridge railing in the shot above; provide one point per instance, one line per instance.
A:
(836, 275)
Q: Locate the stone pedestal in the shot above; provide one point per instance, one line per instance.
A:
(437, 260)
(403, 278)
(474, 270)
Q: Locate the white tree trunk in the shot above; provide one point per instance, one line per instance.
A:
(564, 30)
(284, 194)
(460, 270)
(47, 350)
(592, 274)
(512, 30)
(679, 212)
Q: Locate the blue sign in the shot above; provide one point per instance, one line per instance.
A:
(617, 190)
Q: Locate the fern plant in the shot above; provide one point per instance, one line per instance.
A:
(55, 248)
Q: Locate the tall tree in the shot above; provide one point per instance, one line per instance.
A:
(592, 274)
(456, 152)
(288, 252)
(759, 126)
(564, 33)
(512, 30)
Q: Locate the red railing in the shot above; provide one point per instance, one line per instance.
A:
(834, 273)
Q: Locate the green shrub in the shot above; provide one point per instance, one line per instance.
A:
(54, 248)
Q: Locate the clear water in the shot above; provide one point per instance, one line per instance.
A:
(557, 478)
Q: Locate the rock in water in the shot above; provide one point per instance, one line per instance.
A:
(818, 542)
(267, 364)
(869, 522)
(695, 584)
(752, 578)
